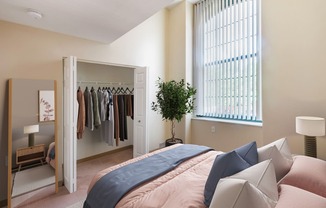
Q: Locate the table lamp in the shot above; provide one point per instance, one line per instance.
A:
(310, 127)
(30, 130)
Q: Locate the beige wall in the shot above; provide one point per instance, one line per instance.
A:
(179, 56)
(293, 68)
(31, 53)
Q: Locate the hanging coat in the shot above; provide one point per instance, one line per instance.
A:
(96, 113)
(89, 120)
(81, 114)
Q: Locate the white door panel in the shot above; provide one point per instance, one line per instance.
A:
(70, 123)
(140, 122)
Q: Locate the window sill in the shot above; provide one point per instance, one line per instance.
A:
(248, 123)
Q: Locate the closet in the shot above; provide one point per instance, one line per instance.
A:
(84, 73)
(119, 81)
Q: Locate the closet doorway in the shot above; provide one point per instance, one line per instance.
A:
(70, 109)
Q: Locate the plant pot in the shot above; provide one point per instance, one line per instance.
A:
(170, 141)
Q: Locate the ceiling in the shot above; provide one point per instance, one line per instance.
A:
(98, 20)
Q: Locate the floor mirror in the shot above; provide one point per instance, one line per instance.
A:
(32, 137)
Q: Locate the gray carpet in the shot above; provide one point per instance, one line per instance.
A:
(32, 179)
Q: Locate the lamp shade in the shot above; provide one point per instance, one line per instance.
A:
(310, 126)
(31, 129)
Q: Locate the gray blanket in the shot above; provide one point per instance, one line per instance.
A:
(108, 190)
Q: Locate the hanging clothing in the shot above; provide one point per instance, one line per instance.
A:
(103, 98)
(81, 114)
(100, 97)
(108, 112)
(116, 119)
(122, 118)
(107, 130)
(110, 119)
(129, 99)
(96, 113)
(89, 120)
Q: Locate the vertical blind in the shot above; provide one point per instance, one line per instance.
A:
(227, 59)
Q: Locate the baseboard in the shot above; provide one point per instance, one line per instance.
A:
(104, 154)
(60, 183)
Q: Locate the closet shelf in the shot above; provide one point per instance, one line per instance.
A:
(104, 83)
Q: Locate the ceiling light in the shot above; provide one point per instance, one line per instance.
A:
(35, 14)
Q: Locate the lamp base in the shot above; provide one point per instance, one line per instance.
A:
(31, 139)
(310, 146)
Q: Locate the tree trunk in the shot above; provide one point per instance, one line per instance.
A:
(173, 129)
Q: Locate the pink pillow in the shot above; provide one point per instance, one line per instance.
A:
(307, 173)
(291, 196)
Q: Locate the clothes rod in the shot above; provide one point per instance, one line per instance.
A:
(104, 83)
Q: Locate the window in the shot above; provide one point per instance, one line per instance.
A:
(227, 60)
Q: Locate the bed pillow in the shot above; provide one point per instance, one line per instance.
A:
(254, 187)
(224, 165)
(249, 152)
(238, 193)
(291, 196)
(307, 173)
(282, 145)
(262, 176)
(280, 155)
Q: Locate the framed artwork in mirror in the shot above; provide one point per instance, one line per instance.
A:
(46, 106)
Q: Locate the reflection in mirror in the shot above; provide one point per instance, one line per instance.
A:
(31, 138)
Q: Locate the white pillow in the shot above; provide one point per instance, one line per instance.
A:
(283, 146)
(238, 193)
(262, 176)
(254, 187)
(280, 155)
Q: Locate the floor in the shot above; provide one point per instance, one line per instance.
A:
(46, 197)
(32, 179)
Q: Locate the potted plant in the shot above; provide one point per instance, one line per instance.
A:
(174, 100)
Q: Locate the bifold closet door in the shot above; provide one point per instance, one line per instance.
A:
(140, 108)
(70, 123)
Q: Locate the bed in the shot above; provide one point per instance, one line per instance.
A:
(244, 177)
(191, 173)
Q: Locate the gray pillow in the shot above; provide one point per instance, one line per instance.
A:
(224, 165)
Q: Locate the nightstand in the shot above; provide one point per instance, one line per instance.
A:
(30, 154)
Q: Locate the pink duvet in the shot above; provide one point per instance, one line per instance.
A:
(182, 187)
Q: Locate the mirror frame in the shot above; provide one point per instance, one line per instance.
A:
(9, 191)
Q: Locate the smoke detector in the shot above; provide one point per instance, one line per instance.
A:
(35, 14)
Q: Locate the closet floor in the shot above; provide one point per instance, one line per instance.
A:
(46, 197)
